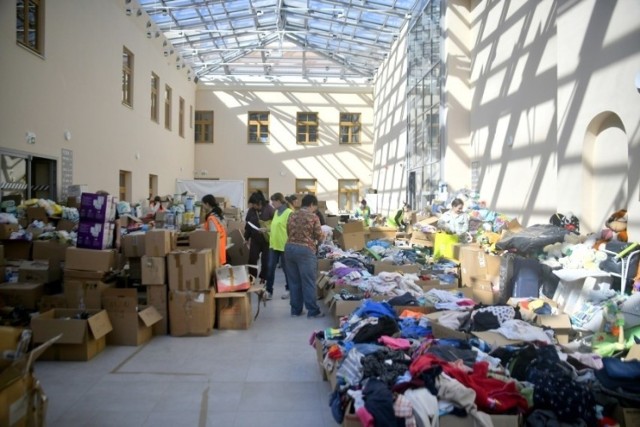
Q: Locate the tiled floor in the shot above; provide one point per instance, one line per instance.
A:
(265, 376)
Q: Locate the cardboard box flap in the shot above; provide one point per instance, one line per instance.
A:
(495, 339)
(634, 353)
(150, 316)
(119, 299)
(100, 324)
(21, 366)
(353, 227)
(428, 221)
(558, 322)
(36, 352)
(253, 289)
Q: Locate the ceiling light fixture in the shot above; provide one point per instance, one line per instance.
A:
(149, 34)
(157, 34)
(139, 12)
(128, 11)
(259, 12)
(148, 24)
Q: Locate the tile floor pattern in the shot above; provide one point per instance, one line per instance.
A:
(266, 376)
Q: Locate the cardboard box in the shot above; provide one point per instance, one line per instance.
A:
(157, 297)
(17, 249)
(81, 339)
(49, 250)
(238, 253)
(22, 401)
(382, 233)
(324, 265)
(158, 242)
(190, 270)
(384, 266)
(634, 353)
(66, 225)
(202, 239)
(133, 245)
(90, 259)
(154, 271)
(485, 289)
(27, 295)
(235, 225)
(7, 229)
(475, 262)
(234, 310)
(97, 207)
(627, 417)
(191, 313)
(84, 289)
(47, 302)
(132, 324)
(419, 238)
(37, 213)
(351, 236)
(41, 271)
(560, 323)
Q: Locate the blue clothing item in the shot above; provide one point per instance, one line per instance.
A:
(274, 258)
(301, 268)
(368, 348)
(370, 308)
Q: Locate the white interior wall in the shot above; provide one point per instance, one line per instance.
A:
(390, 129)
(282, 160)
(513, 106)
(76, 87)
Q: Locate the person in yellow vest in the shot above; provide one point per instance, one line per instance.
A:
(363, 211)
(277, 241)
(214, 221)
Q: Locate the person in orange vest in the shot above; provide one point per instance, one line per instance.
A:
(214, 221)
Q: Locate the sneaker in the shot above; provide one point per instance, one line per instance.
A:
(267, 295)
(285, 295)
(296, 315)
(316, 316)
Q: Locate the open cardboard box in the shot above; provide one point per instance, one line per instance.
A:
(132, 324)
(81, 339)
(22, 401)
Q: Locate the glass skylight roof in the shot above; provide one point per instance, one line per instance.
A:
(278, 40)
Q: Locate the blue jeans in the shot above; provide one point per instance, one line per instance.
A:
(274, 257)
(301, 267)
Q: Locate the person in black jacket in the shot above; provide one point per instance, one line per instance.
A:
(259, 210)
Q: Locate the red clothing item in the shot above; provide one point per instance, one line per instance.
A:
(492, 395)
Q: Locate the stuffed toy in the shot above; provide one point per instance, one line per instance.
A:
(616, 229)
(569, 221)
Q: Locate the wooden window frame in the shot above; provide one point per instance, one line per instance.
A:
(200, 128)
(181, 117)
(304, 189)
(304, 126)
(190, 116)
(155, 97)
(347, 126)
(127, 77)
(260, 121)
(35, 27)
(168, 94)
(341, 189)
(251, 188)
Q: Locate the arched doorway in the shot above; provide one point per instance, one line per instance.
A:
(605, 166)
